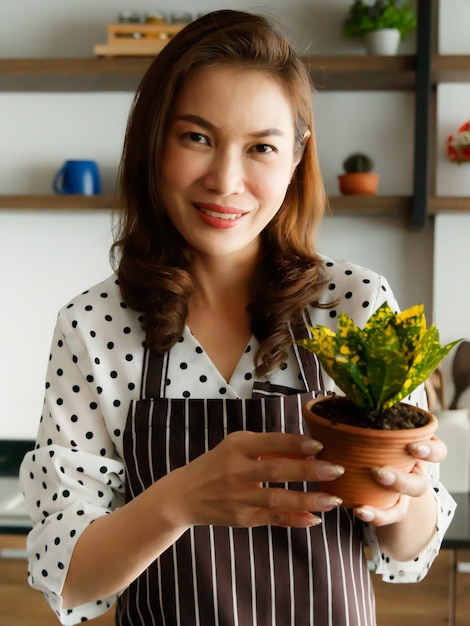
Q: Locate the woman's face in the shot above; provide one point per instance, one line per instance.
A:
(228, 158)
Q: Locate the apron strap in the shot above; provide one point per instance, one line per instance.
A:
(309, 363)
(154, 374)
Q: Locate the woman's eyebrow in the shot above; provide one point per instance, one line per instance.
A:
(200, 121)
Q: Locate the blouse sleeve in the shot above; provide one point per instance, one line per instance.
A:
(73, 476)
(415, 570)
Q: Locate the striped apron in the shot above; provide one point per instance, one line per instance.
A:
(218, 576)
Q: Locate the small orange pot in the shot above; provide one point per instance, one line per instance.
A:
(359, 183)
(358, 450)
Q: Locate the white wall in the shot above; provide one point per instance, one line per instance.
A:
(46, 257)
(40, 131)
(452, 231)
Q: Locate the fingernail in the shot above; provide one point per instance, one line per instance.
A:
(421, 449)
(328, 471)
(329, 501)
(311, 446)
(385, 476)
(364, 514)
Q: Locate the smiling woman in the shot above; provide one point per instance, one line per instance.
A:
(172, 471)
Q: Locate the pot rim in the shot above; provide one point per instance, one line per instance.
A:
(349, 428)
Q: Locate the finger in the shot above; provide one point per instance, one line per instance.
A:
(289, 519)
(262, 445)
(434, 450)
(412, 484)
(384, 517)
(276, 499)
(284, 470)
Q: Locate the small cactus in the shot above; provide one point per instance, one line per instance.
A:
(358, 163)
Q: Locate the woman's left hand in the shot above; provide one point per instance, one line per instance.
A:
(409, 485)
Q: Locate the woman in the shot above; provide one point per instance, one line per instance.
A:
(172, 470)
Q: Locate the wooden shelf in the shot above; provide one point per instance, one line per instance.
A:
(448, 204)
(69, 75)
(58, 202)
(124, 73)
(369, 205)
(362, 73)
(338, 205)
(451, 69)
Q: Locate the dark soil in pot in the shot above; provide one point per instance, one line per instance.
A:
(398, 417)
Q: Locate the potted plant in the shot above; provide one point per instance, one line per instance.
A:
(382, 25)
(358, 177)
(376, 368)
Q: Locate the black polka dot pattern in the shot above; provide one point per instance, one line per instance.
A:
(76, 473)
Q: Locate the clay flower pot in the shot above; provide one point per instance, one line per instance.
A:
(359, 449)
(359, 183)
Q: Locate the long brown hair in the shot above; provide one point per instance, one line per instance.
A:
(151, 257)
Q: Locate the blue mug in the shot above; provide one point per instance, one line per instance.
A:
(78, 177)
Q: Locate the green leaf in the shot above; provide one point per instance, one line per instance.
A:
(387, 368)
(378, 320)
(410, 326)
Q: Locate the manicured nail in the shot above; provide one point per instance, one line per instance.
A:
(364, 514)
(329, 501)
(421, 450)
(385, 476)
(328, 471)
(311, 446)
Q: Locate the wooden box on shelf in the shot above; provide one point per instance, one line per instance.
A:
(136, 39)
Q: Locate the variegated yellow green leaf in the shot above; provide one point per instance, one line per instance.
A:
(410, 326)
(386, 366)
(378, 320)
(383, 363)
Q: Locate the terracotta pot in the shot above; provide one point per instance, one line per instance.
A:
(358, 450)
(360, 183)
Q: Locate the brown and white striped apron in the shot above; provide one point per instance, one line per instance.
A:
(217, 576)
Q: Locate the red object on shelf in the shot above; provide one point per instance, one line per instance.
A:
(458, 145)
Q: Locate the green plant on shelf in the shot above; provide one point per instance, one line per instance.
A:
(364, 18)
(358, 162)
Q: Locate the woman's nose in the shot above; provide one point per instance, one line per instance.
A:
(225, 174)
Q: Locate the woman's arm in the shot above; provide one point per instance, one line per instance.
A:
(221, 487)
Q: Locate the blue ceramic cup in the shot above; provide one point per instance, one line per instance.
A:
(77, 177)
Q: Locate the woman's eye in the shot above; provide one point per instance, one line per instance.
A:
(264, 148)
(196, 137)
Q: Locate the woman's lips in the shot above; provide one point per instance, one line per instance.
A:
(219, 216)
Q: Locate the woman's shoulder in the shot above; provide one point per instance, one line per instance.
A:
(101, 301)
(352, 289)
(106, 290)
(346, 272)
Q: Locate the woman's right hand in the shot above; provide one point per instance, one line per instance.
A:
(222, 487)
(225, 486)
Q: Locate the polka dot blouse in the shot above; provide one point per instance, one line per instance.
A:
(76, 473)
